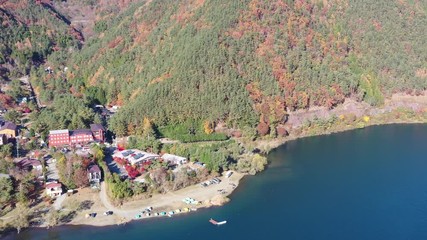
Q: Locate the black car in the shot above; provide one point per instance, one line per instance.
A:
(108, 213)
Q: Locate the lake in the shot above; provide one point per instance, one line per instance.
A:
(364, 184)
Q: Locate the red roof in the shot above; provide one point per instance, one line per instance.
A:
(53, 185)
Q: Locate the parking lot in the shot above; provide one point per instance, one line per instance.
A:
(210, 182)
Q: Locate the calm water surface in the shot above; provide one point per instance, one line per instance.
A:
(362, 184)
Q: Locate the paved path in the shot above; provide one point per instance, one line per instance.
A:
(57, 205)
(52, 171)
(104, 199)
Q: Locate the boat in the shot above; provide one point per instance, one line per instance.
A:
(214, 222)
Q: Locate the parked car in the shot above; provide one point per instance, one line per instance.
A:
(148, 209)
(108, 213)
(92, 214)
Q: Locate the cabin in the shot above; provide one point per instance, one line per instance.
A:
(53, 189)
(9, 129)
(94, 174)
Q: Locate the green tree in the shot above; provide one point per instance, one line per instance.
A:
(52, 218)
(6, 191)
(21, 217)
(13, 116)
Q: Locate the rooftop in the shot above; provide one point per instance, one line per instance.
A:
(58, 131)
(27, 162)
(96, 127)
(171, 157)
(94, 169)
(135, 156)
(81, 132)
(8, 125)
(53, 185)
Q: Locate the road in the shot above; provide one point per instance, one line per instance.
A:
(26, 81)
(112, 165)
(52, 171)
(57, 204)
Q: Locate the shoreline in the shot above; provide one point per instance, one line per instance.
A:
(76, 226)
(171, 201)
(384, 115)
(270, 145)
(125, 213)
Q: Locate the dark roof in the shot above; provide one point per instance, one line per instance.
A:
(96, 127)
(94, 169)
(9, 125)
(27, 162)
(80, 132)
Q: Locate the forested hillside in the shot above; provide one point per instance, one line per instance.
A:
(30, 31)
(249, 62)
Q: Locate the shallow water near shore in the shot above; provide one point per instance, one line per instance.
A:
(364, 184)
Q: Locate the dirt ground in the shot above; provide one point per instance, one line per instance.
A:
(99, 203)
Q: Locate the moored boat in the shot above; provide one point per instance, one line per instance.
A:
(214, 222)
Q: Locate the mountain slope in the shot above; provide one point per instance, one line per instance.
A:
(30, 31)
(250, 61)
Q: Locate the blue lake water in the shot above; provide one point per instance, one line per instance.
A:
(364, 184)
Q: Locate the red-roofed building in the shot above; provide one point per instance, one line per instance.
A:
(59, 137)
(53, 189)
(79, 136)
(94, 173)
(98, 132)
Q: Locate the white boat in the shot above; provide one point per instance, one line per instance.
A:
(217, 223)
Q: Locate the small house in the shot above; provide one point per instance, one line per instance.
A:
(94, 174)
(29, 164)
(53, 189)
(9, 129)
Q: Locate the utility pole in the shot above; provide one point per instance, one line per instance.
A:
(17, 141)
(17, 145)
